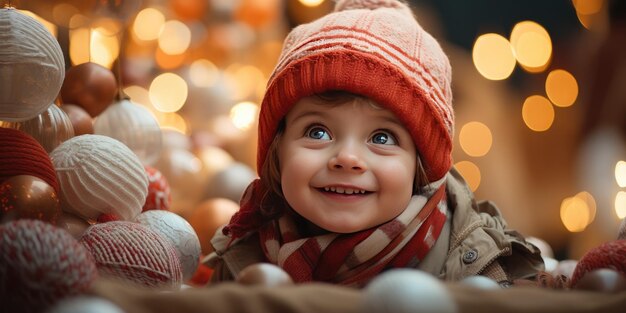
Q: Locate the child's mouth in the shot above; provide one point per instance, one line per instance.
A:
(344, 191)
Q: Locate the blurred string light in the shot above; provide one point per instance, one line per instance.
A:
(203, 73)
(620, 173)
(244, 114)
(589, 12)
(538, 113)
(470, 172)
(575, 214)
(493, 56)
(532, 46)
(311, 3)
(475, 139)
(174, 37)
(168, 92)
(99, 44)
(620, 204)
(147, 24)
(561, 88)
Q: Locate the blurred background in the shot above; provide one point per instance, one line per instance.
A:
(539, 87)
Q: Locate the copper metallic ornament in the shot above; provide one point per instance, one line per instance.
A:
(72, 224)
(80, 119)
(28, 197)
(90, 86)
(264, 274)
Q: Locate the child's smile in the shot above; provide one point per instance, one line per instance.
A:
(346, 167)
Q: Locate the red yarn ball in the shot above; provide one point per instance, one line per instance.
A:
(41, 264)
(133, 253)
(159, 195)
(21, 154)
(610, 255)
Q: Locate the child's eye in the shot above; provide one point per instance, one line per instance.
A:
(383, 138)
(317, 132)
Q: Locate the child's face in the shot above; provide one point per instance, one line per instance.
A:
(346, 167)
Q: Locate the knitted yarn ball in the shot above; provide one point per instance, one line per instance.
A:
(21, 154)
(32, 67)
(39, 265)
(376, 49)
(133, 253)
(99, 174)
(610, 255)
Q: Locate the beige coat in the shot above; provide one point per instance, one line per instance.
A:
(475, 241)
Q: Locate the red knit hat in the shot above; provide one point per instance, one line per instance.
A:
(374, 48)
(21, 154)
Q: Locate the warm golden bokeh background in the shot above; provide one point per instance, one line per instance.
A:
(540, 107)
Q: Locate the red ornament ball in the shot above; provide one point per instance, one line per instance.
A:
(610, 255)
(134, 254)
(159, 195)
(21, 154)
(41, 264)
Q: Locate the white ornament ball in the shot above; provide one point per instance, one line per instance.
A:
(85, 304)
(180, 233)
(550, 264)
(133, 125)
(407, 291)
(32, 67)
(480, 282)
(230, 182)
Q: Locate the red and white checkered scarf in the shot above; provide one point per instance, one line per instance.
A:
(353, 259)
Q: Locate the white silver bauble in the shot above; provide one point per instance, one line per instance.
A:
(32, 67)
(180, 233)
(133, 125)
(50, 128)
(407, 291)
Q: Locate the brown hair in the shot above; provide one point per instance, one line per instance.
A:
(273, 202)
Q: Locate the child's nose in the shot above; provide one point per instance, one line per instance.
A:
(347, 159)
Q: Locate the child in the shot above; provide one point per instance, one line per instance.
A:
(354, 155)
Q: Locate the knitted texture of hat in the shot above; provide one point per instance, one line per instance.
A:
(21, 154)
(99, 174)
(610, 255)
(41, 264)
(375, 49)
(134, 254)
(32, 67)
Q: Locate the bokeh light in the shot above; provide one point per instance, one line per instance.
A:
(561, 88)
(575, 214)
(590, 201)
(620, 173)
(168, 92)
(175, 37)
(244, 114)
(475, 139)
(203, 73)
(588, 7)
(104, 49)
(532, 45)
(148, 23)
(538, 113)
(493, 56)
(470, 172)
(245, 79)
(172, 121)
(311, 3)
